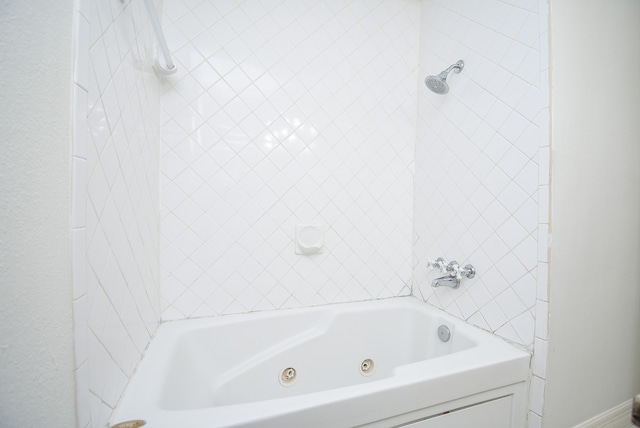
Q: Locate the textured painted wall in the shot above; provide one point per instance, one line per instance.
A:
(283, 113)
(36, 349)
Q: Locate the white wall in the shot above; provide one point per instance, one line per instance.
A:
(116, 157)
(594, 330)
(284, 113)
(36, 349)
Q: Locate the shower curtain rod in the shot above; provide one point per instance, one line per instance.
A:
(157, 28)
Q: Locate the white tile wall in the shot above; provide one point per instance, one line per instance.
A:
(542, 295)
(477, 160)
(482, 168)
(116, 203)
(283, 113)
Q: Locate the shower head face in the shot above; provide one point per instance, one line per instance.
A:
(437, 84)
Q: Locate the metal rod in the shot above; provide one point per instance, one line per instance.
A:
(157, 28)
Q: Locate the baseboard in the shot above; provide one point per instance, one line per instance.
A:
(616, 417)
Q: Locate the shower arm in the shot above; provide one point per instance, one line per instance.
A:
(458, 66)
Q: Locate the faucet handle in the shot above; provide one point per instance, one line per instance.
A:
(452, 268)
(468, 271)
(439, 264)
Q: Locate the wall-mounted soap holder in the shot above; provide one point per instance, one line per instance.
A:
(309, 239)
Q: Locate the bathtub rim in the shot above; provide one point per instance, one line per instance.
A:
(494, 358)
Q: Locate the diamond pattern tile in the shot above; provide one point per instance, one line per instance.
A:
(285, 127)
(121, 261)
(476, 162)
(289, 112)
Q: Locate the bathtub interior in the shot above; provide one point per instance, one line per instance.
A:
(240, 359)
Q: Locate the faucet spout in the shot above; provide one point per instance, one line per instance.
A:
(454, 273)
(446, 281)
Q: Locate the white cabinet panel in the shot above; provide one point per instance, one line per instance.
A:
(493, 414)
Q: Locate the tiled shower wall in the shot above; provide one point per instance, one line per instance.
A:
(116, 154)
(285, 113)
(482, 168)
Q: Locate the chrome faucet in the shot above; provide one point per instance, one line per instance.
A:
(446, 281)
(454, 274)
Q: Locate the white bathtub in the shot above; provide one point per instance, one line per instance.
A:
(227, 371)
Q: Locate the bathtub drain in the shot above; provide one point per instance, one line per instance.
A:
(288, 376)
(444, 333)
(366, 367)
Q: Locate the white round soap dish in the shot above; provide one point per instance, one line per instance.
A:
(309, 238)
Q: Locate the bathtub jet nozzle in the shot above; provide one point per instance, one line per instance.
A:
(288, 376)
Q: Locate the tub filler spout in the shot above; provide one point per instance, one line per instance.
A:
(455, 273)
(446, 281)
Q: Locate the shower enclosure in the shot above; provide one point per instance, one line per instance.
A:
(283, 113)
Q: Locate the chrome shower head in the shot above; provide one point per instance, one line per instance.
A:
(438, 84)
